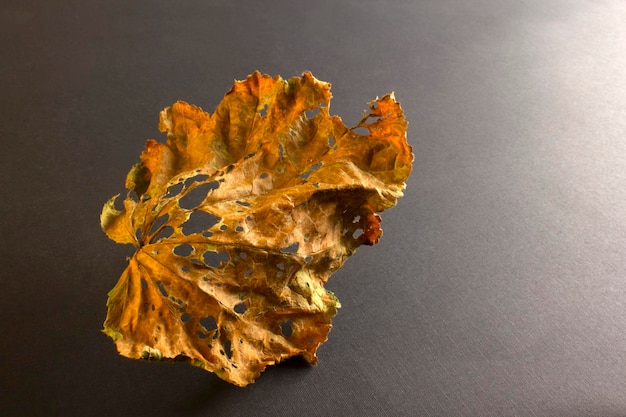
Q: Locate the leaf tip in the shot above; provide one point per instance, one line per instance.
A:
(114, 335)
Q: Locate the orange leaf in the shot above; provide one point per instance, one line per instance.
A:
(240, 218)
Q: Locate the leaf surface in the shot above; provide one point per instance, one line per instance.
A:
(240, 218)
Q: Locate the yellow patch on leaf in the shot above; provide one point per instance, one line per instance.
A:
(240, 218)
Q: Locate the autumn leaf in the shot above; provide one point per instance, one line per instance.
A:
(240, 218)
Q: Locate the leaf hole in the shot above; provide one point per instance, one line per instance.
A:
(195, 196)
(243, 255)
(293, 248)
(185, 318)
(174, 190)
(208, 323)
(198, 222)
(183, 250)
(243, 203)
(263, 111)
(158, 223)
(239, 229)
(161, 288)
(197, 178)
(331, 141)
(263, 175)
(361, 130)
(201, 334)
(227, 349)
(215, 259)
(312, 113)
(286, 328)
(280, 153)
(357, 233)
(248, 273)
(240, 308)
(144, 283)
(305, 175)
(164, 233)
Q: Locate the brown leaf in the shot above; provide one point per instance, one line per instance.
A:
(240, 218)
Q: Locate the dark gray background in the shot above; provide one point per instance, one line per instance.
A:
(498, 288)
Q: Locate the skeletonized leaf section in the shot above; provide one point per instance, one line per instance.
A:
(239, 219)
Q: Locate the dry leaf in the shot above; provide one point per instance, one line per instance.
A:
(240, 218)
